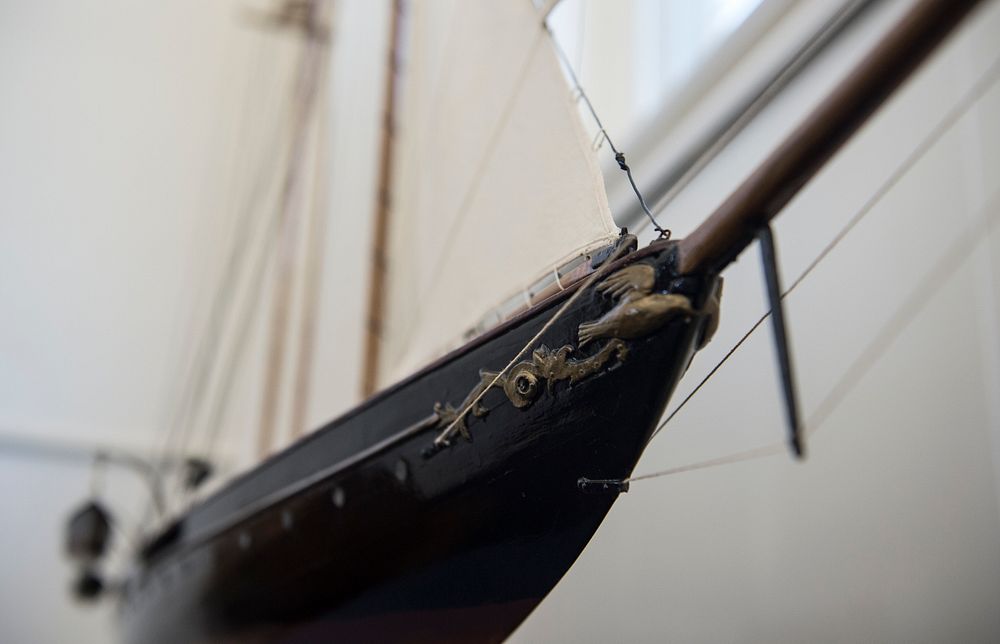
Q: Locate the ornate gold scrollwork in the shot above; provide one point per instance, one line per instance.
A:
(447, 414)
(523, 383)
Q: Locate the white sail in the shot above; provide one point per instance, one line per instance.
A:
(495, 180)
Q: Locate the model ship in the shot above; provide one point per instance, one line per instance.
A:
(448, 504)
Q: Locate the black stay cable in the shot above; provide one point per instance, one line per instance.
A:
(603, 134)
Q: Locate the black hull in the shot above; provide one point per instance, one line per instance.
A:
(354, 534)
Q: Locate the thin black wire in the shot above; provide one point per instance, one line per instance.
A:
(935, 135)
(712, 372)
(602, 133)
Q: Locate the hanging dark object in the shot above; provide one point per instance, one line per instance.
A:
(88, 586)
(196, 472)
(769, 256)
(88, 532)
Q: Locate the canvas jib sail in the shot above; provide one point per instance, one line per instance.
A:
(494, 181)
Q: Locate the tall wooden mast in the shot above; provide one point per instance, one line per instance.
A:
(383, 205)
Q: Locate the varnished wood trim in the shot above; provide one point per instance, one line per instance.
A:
(721, 237)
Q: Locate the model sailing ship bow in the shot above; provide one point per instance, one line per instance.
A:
(446, 506)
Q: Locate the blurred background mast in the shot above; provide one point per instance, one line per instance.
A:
(383, 204)
(310, 17)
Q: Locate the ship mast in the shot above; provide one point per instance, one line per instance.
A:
(376, 290)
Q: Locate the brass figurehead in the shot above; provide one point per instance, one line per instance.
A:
(639, 311)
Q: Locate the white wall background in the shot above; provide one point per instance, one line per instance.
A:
(119, 162)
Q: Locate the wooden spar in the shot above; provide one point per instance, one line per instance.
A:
(731, 228)
(376, 295)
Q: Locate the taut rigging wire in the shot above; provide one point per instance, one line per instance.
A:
(231, 367)
(935, 278)
(241, 248)
(290, 207)
(220, 307)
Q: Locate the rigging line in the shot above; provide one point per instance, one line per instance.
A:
(184, 347)
(234, 271)
(25, 443)
(956, 112)
(935, 279)
(664, 233)
(255, 285)
(317, 64)
(444, 437)
(234, 359)
(747, 455)
(711, 373)
(291, 206)
(313, 269)
(241, 265)
(206, 352)
(244, 228)
(237, 235)
(237, 352)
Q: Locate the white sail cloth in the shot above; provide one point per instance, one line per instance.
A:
(495, 181)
